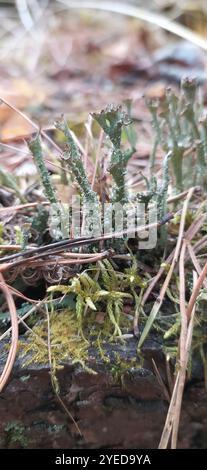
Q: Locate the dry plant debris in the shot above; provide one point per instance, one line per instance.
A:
(151, 150)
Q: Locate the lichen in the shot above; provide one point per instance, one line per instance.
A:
(112, 120)
(180, 127)
(35, 147)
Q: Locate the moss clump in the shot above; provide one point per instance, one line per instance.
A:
(121, 366)
(15, 434)
(97, 319)
(103, 289)
(64, 341)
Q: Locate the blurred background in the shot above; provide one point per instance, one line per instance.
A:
(54, 58)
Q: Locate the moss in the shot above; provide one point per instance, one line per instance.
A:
(64, 341)
(98, 319)
(103, 289)
(15, 434)
(121, 366)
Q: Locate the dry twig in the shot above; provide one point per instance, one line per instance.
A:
(14, 341)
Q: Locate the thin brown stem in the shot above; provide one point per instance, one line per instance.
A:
(196, 291)
(14, 340)
(196, 262)
(189, 235)
(32, 123)
(53, 377)
(158, 303)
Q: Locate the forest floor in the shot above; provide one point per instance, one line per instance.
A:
(56, 60)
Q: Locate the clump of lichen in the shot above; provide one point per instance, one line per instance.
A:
(180, 125)
(64, 342)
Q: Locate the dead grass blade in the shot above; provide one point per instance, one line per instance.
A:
(14, 341)
(182, 346)
(189, 235)
(158, 303)
(141, 14)
(54, 378)
(160, 381)
(26, 315)
(195, 262)
(19, 207)
(173, 416)
(32, 123)
(196, 291)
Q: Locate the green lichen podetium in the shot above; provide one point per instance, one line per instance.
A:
(112, 120)
(8, 180)
(36, 149)
(180, 128)
(72, 157)
(190, 112)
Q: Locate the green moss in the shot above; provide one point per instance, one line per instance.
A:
(121, 366)
(15, 434)
(64, 341)
(102, 288)
(98, 319)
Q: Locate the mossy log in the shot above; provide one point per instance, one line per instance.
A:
(122, 406)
